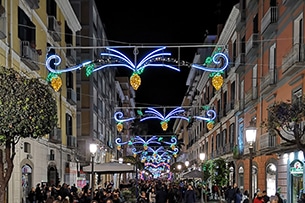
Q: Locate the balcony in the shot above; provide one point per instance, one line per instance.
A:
(54, 28)
(33, 4)
(71, 141)
(267, 142)
(294, 60)
(252, 43)
(240, 63)
(29, 55)
(71, 96)
(55, 135)
(288, 3)
(269, 21)
(241, 20)
(71, 54)
(267, 83)
(2, 27)
(2, 10)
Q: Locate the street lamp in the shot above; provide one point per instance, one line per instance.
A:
(186, 163)
(93, 149)
(179, 167)
(250, 137)
(202, 157)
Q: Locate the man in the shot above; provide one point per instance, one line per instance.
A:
(190, 195)
(266, 198)
(231, 193)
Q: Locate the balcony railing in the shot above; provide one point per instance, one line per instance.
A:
(252, 42)
(33, 4)
(29, 55)
(240, 63)
(71, 54)
(54, 28)
(71, 141)
(293, 60)
(71, 96)
(2, 27)
(267, 142)
(55, 135)
(269, 18)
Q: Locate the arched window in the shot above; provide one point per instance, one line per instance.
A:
(271, 179)
(241, 178)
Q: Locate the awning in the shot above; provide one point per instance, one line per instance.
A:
(110, 168)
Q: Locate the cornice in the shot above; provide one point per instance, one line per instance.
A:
(69, 14)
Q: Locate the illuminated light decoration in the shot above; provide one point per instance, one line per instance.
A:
(210, 125)
(154, 114)
(177, 113)
(217, 80)
(154, 58)
(114, 58)
(217, 59)
(119, 127)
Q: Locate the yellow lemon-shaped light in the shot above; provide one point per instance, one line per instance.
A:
(210, 125)
(145, 147)
(118, 147)
(56, 83)
(134, 155)
(135, 81)
(164, 126)
(217, 81)
(119, 127)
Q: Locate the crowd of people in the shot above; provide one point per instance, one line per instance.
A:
(152, 191)
(148, 191)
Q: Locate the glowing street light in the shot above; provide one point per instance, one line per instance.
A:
(251, 137)
(93, 149)
(201, 157)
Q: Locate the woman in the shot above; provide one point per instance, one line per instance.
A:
(142, 198)
(152, 196)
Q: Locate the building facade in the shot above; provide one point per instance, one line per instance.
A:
(30, 31)
(264, 43)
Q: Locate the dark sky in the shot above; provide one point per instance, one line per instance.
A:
(161, 23)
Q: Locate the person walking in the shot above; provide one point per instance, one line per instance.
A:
(161, 195)
(32, 195)
(152, 195)
(190, 195)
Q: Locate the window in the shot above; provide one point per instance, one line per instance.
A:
(68, 125)
(254, 82)
(271, 179)
(27, 147)
(272, 60)
(26, 29)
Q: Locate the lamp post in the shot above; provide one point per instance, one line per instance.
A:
(93, 149)
(201, 157)
(250, 137)
(187, 163)
(179, 167)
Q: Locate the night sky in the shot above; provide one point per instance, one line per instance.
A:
(157, 23)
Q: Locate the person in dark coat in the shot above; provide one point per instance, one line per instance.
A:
(161, 195)
(190, 195)
(32, 195)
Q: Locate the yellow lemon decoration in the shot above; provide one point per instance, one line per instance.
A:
(135, 81)
(210, 125)
(164, 125)
(134, 155)
(119, 127)
(56, 83)
(118, 147)
(217, 81)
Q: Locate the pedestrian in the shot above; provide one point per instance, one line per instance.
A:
(152, 195)
(280, 200)
(238, 196)
(273, 199)
(190, 195)
(161, 195)
(265, 196)
(258, 198)
(32, 195)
